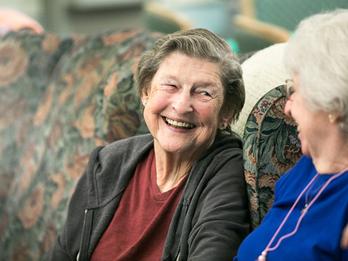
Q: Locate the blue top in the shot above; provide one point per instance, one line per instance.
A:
(319, 235)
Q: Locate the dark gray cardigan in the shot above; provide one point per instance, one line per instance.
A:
(211, 218)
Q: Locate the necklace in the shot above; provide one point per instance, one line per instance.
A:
(268, 248)
(307, 194)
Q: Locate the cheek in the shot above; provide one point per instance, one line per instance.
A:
(156, 103)
(210, 114)
(153, 110)
(287, 108)
(297, 111)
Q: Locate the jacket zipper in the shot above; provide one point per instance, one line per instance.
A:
(86, 232)
(88, 216)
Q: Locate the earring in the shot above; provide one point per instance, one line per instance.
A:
(223, 125)
(332, 118)
(144, 103)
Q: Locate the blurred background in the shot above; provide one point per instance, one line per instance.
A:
(248, 25)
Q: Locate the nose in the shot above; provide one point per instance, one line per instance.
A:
(287, 108)
(182, 102)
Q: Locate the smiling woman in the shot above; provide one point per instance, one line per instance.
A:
(177, 193)
(183, 111)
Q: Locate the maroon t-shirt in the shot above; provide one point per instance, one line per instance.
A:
(140, 224)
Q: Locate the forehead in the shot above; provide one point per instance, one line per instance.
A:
(177, 64)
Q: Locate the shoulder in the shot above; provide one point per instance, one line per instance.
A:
(118, 156)
(224, 145)
(225, 151)
(223, 160)
(229, 149)
(111, 167)
(231, 140)
(125, 148)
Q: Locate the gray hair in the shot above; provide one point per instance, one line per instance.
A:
(203, 44)
(318, 54)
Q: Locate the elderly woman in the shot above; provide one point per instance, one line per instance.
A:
(179, 192)
(311, 203)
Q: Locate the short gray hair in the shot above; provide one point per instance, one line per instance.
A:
(318, 54)
(203, 44)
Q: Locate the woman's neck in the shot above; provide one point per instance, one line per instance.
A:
(171, 169)
(335, 158)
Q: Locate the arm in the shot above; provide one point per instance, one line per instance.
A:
(222, 219)
(12, 20)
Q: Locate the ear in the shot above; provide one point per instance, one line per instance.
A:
(226, 116)
(143, 101)
(333, 117)
(225, 120)
(144, 96)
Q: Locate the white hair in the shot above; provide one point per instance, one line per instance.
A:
(318, 54)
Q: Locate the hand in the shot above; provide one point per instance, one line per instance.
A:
(344, 240)
(12, 20)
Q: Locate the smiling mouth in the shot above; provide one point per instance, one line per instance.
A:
(179, 124)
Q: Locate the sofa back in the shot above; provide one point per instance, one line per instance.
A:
(271, 145)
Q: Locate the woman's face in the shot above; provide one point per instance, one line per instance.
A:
(183, 104)
(312, 126)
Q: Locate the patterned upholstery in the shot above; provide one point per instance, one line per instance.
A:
(271, 146)
(27, 62)
(60, 98)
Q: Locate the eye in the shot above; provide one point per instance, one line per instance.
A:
(203, 94)
(168, 87)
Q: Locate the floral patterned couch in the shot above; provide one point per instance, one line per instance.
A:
(61, 97)
(271, 145)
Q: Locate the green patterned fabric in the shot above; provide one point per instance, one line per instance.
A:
(26, 64)
(271, 146)
(67, 97)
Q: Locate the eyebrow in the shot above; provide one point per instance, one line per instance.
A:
(206, 85)
(202, 84)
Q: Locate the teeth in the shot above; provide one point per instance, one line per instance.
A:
(179, 124)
